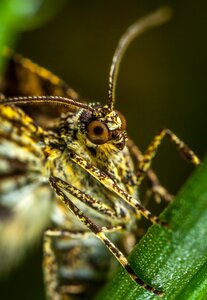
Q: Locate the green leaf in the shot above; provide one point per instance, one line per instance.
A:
(173, 260)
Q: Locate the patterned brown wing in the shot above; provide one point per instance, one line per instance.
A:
(25, 200)
(25, 78)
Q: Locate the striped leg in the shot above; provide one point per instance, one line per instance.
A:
(50, 269)
(97, 230)
(145, 163)
(87, 199)
(155, 187)
(53, 232)
(112, 186)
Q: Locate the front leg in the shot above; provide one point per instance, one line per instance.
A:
(146, 161)
(109, 183)
(98, 231)
(155, 188)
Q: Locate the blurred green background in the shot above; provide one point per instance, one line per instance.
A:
(162, 83)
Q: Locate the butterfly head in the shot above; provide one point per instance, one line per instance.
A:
(103, 126)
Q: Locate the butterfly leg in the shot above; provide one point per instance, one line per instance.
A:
(50, 264)
(109, 183)
(155, 187)
(97, 230)
(50, 268)
(87, 199)
(145, 163)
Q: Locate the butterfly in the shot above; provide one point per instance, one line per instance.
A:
(70, 172)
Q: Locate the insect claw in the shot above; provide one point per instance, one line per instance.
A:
(164, 224)
(158, 293)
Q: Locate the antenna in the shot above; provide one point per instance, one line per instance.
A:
(156, 18)
(52, 100)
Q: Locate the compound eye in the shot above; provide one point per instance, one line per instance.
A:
(123, 120)
(98, 132)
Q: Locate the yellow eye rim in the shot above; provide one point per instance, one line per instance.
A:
(123, 120)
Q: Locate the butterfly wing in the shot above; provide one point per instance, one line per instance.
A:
(25, 78)
(25, 200)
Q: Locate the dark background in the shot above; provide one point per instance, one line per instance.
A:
(162, 83)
